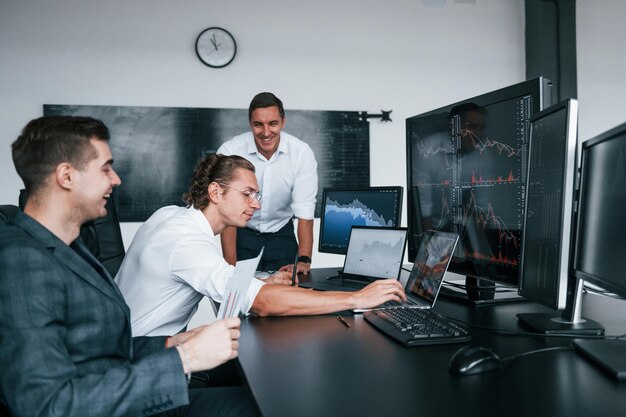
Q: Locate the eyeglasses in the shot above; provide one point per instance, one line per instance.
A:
(250, 195)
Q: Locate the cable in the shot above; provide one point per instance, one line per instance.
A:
(602, 293)
(478, 287)
(503, 332)
(534, 352)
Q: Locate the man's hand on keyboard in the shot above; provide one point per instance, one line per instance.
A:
(379, 292)
(281, 278)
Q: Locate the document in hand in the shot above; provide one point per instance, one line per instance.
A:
(237, 287)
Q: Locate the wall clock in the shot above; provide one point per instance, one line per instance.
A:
(216, 47)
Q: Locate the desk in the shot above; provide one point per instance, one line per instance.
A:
(315, 366)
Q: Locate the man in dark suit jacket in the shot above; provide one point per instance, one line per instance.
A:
(65, 338)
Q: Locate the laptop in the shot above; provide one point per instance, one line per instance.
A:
(426, 277)
(373, 253)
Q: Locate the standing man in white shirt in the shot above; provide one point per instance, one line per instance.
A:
(286, 171)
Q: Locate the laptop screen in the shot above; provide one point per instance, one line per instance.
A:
(431, 263)
(375, 252)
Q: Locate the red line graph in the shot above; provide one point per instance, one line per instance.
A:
(492, 258)
(476, 180)
(482, 218)
(481, 146)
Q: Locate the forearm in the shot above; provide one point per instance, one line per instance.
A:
(229, 244)
(279, 300)
(305, 237)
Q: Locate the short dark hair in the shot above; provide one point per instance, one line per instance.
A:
(212, 168)
(50, 140)
(263, 100)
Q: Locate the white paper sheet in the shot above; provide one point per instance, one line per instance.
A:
(237, 287)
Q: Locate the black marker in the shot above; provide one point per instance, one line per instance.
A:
(295, 271)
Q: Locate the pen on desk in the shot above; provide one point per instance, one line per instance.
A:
(294, 273)
(345, 323)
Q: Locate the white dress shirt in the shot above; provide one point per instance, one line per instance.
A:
(175, 259)
(287, 181)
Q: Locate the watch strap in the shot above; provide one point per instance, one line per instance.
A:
(304, 259)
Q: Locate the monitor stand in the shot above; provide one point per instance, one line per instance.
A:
(482, 292)
(549, 324)
(570, 322)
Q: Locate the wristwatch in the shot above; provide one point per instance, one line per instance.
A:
(304, 259)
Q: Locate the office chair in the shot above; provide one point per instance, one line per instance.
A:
(103, 236)
(8, 211)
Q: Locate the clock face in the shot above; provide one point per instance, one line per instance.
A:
(216, 47)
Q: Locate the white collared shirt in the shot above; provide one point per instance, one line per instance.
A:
(287, 181)
(175, 259)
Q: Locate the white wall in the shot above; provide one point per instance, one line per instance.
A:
(601, 65)
(409, 56)
(406, 55)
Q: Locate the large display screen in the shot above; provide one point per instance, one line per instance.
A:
(601, 222)
(549, 205)
(466, 174)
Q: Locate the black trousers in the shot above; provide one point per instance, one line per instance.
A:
(280, 247)
(207, 402)
(217, 402)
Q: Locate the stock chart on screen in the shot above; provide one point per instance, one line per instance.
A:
(342, 209)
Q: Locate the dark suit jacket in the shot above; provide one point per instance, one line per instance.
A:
(65, 340)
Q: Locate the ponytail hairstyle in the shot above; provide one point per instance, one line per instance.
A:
(212, 168)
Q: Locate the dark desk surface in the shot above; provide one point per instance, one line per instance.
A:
(315, 366)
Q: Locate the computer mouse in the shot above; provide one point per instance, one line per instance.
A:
(471, 360)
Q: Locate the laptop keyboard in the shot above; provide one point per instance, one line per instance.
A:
(393, 304)
(415, 327)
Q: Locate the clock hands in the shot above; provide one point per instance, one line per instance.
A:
(214, 42)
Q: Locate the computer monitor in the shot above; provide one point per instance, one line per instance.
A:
(343, 208)
(547, 246)
(601, 236)
(466, 173)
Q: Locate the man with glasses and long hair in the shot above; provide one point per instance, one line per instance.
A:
(176, 259)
